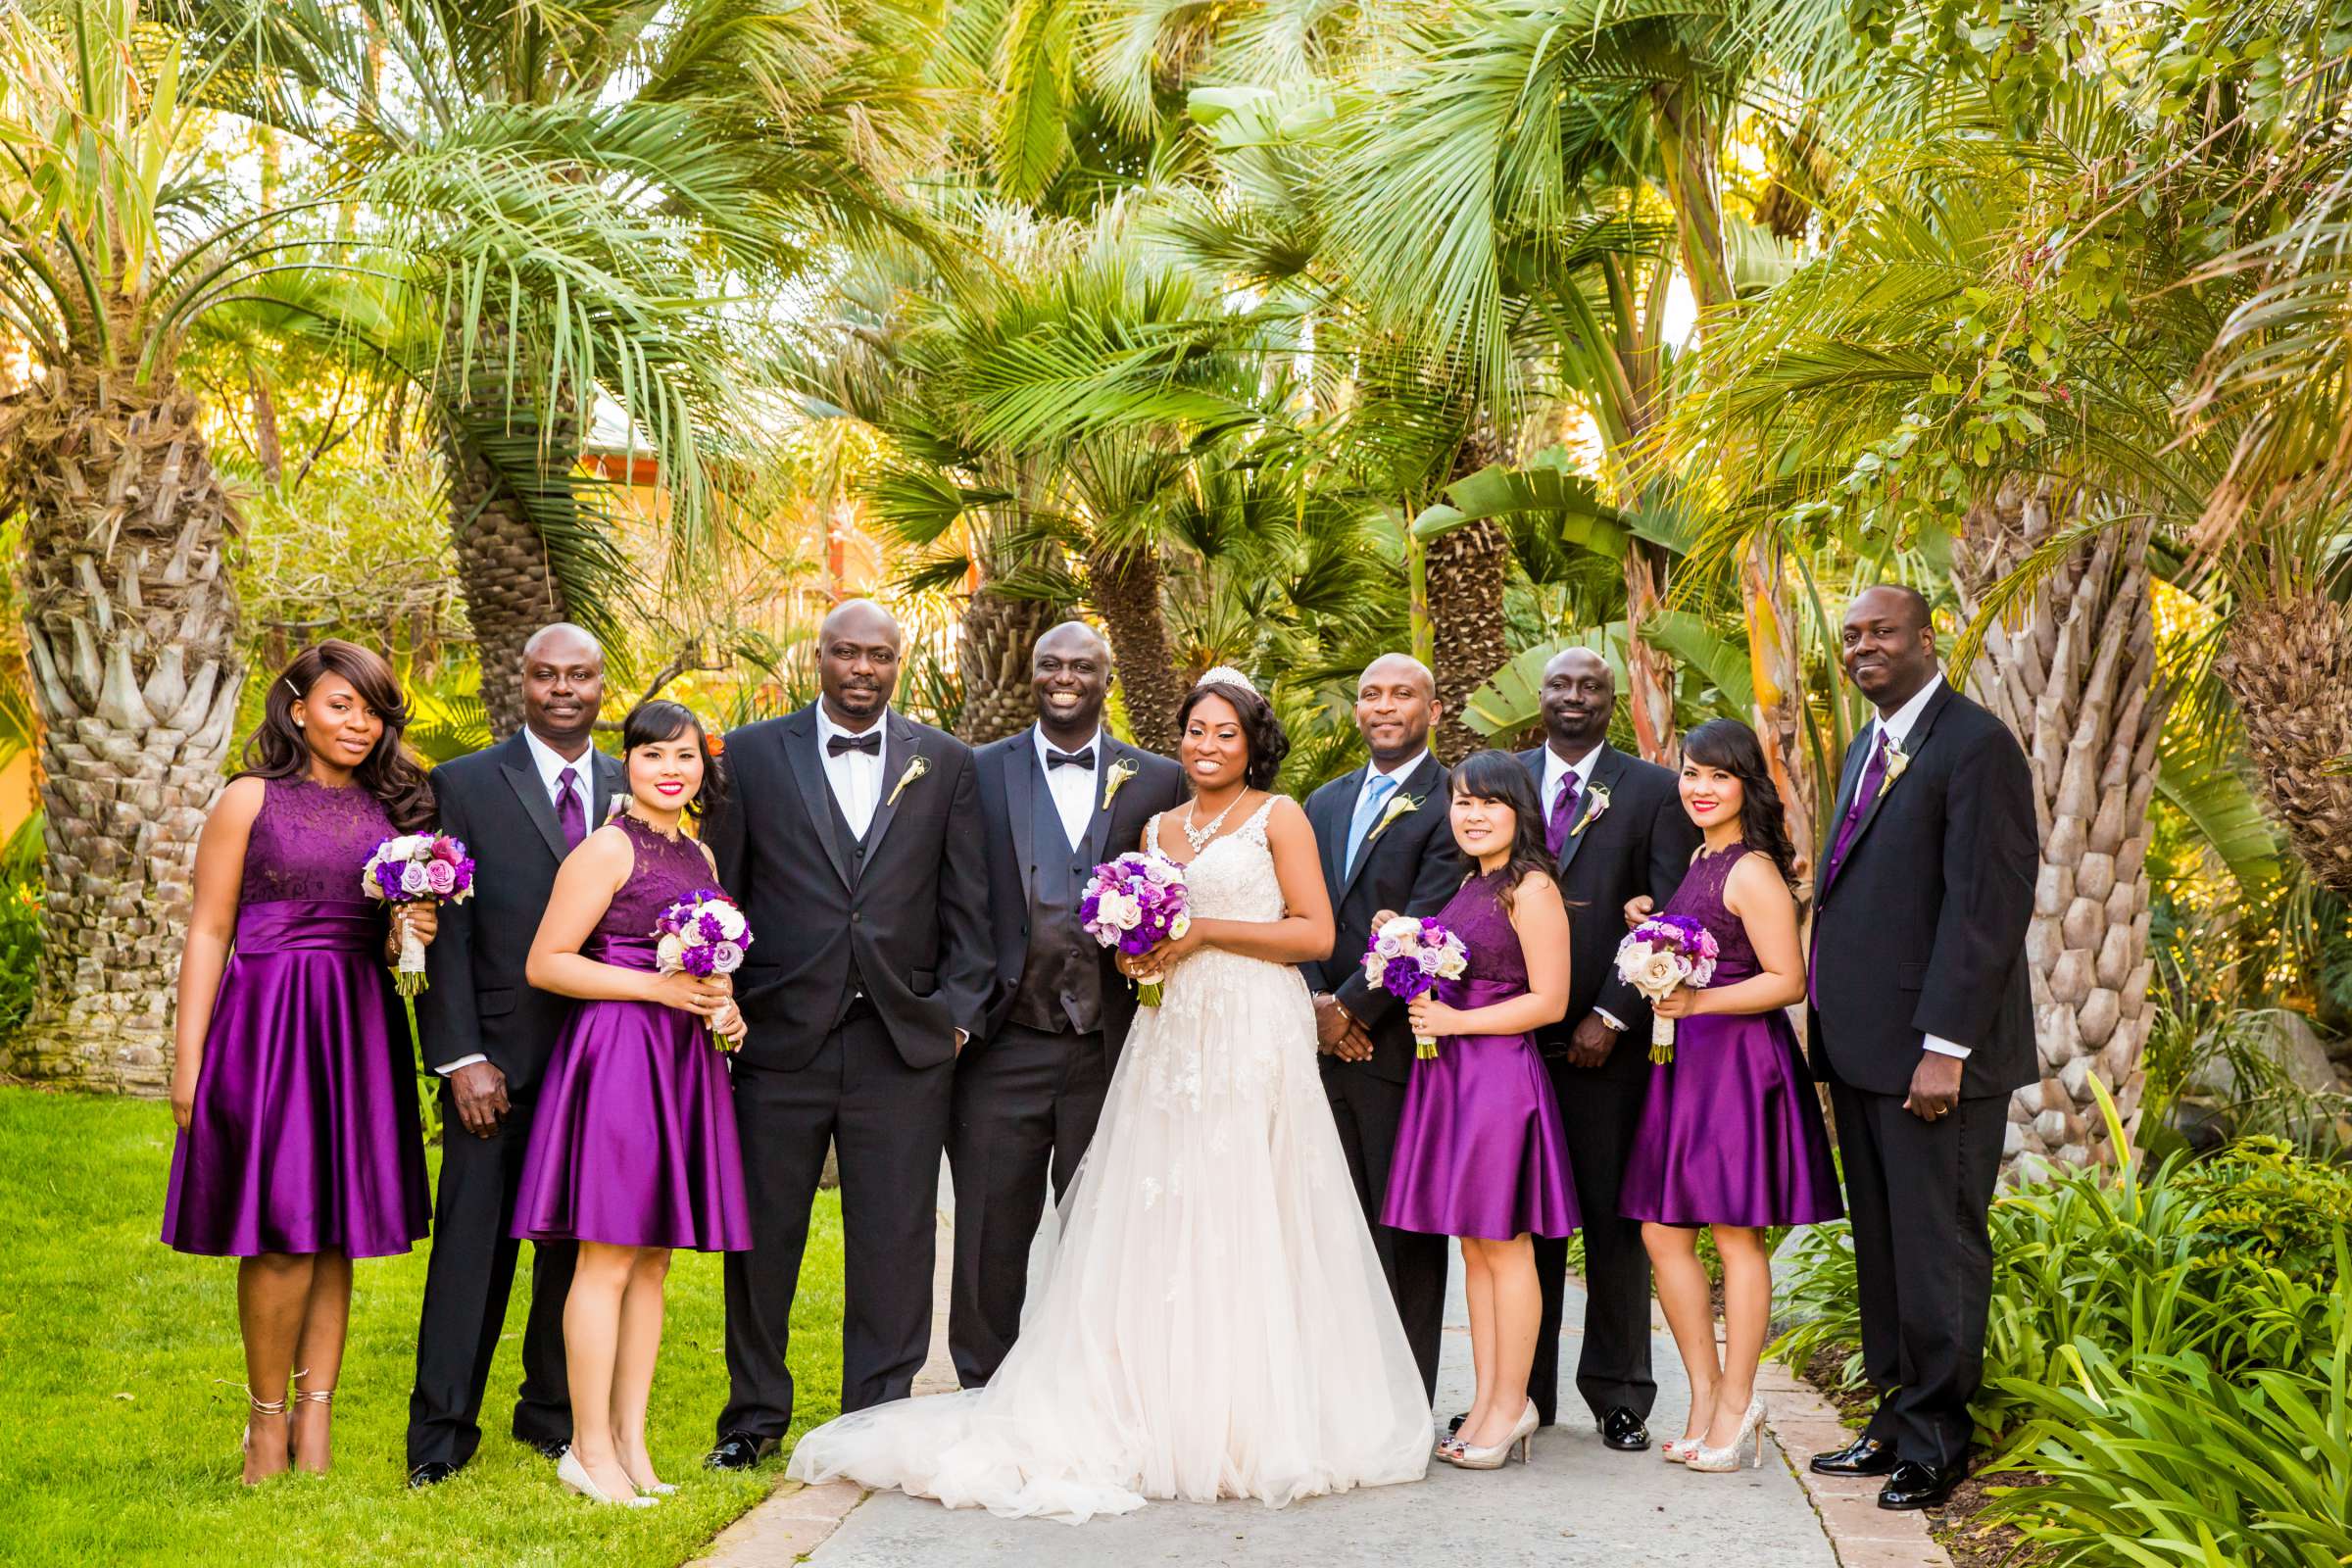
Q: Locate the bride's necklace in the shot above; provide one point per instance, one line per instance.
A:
(1199, 837)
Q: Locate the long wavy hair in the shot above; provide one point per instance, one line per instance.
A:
(275, 749)
(652, 722)
(1503, 779)
(1268, 742)
(1730, 745)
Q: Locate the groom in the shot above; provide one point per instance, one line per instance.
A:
(1055, 800)
(1922, 1025)
(847, 840)
(1615, 828)
(1388, 844)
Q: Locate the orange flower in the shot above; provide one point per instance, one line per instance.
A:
(717, 739)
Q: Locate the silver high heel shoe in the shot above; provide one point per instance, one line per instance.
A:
(1716, 1461)
(575, 1476)
(1522, 1438)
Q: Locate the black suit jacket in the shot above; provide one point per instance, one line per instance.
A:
(1412, 867)
(1010, 778)
(914, 918)
(477, 999)
(1922, 928)
(1642, 843)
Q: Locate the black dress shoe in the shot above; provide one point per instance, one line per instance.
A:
(1919, 1485)
(548, 1447)
(1623, 1431)
(1864, 1456)
(739, 1451)
(432, 1473)
(1455, 1425)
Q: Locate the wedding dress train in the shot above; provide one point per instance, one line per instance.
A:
(1213, 1321)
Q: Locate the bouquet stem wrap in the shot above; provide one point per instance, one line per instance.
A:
(1662, 1039)
(416, 868)
(1659, 957)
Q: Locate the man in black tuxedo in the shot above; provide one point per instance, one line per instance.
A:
(1387, 839)
(520, 806)
(1616, 829)
(1055, 800)
(848, 838)
(1922, 1025)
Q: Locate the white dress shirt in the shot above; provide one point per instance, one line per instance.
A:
(856, 776)
(1401, 773)
(1897, 730)
(1072, 788)
(1556, 770)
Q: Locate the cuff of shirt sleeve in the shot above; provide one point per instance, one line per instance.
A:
(1945, 1047)
(446, 1069)
(1609, 1018)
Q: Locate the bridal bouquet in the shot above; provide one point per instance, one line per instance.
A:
(1662, 953)
(1411, 958)
(408, 869)
(703, 934)
(1133, 904)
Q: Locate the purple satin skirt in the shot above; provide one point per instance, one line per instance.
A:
(1731, 1132)
(305, 1136)
(1478, 1146)
(633, 1140)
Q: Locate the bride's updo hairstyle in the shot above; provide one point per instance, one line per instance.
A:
(1268, 742)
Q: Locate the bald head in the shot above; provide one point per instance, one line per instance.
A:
(1888, 644)
(562, 687)
(1395, 703)
(1578, 695)
(1069, 674)
(858, 661)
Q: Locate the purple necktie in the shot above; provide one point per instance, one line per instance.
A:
(1564, 816)
(570, 813)
(1872, 777)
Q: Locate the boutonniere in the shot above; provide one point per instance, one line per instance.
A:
(1896, 761)
(1402, 806)
(1120, 772)
(916, 766)
(1596, 803)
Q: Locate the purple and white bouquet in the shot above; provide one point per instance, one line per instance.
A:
(410, 869)
(703, 934)
(1133, 904)
(1662, 953)
(1412, 957)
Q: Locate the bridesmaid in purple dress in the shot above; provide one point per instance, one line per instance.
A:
(1731, 1137)
(632, 1149)
(294, 1090)
(1480, 1156)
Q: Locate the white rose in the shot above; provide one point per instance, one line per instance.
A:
(1179, 926)
(1373, 967)
(1659, 974)
(1120, 910)
(668, 951)
(731, 923)
(1404, 928)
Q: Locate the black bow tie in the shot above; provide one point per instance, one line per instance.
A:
(1085, 758)
(870, 743)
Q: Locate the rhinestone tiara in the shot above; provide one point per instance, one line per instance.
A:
(1226, 675)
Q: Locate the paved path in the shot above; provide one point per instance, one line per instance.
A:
(1577, 1504)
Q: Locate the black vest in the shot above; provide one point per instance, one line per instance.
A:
(852, 854)
(1061, 979)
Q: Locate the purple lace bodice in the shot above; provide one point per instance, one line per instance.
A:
(1700, 897)
(311, 841)
(665, 870)
(1476, 914)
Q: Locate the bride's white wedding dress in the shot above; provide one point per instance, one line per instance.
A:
(1213, 1322)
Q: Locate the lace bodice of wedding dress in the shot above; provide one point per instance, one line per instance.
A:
(1213, 1321)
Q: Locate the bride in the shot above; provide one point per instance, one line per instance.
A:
(1213, 1322)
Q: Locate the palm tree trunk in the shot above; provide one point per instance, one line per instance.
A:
(2072, 671)
(1778, 677)
(1469, 568)
(993, 647)
(1124, 585)
(2288, 663)
(131, 632)
(1648, 673)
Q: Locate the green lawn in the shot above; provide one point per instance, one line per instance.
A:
(119, 1364)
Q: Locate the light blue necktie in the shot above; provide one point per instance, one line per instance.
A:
(1367, 813)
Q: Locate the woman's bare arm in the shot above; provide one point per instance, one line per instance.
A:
(212, 928)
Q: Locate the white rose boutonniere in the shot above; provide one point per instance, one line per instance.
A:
(1113, 782)
(1402, 806)
(1896, 761)
(916, 766)
(1596, 803)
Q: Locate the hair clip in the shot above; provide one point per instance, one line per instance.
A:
(287, 681)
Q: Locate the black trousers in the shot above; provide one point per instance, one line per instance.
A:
(1026, 1108)
(1367, 1108)
(1917, 1191)
(1600, 1114)
(467, 1282)
(887, 1123)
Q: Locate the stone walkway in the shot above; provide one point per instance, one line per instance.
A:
(1575, 1503)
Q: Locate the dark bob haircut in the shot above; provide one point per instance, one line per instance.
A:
(1268, 742)
(1729, 745)
(1501, 777)
(652, 722)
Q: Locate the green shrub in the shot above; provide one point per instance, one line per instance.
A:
(21, 893)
